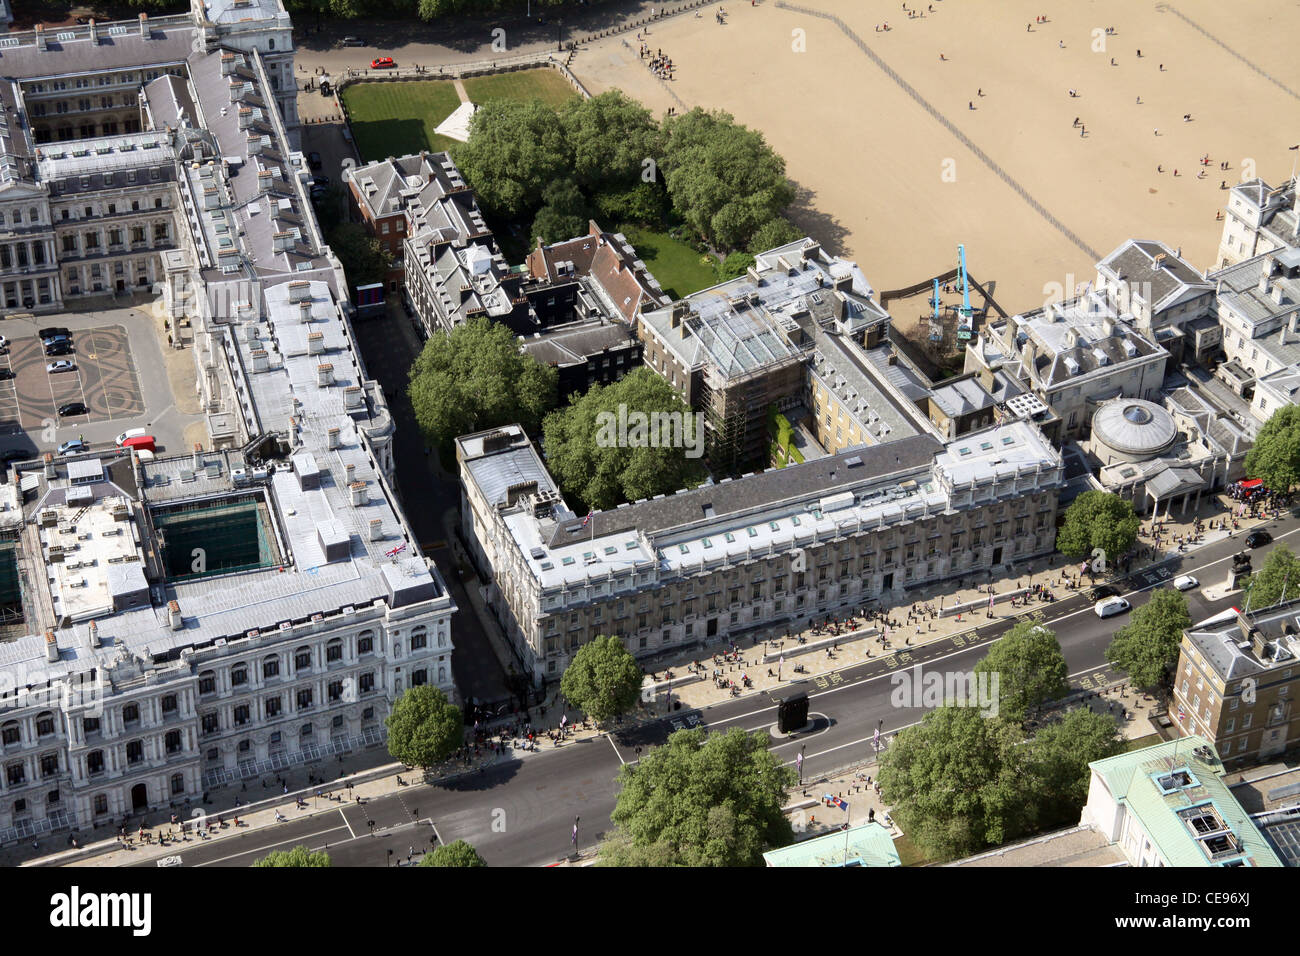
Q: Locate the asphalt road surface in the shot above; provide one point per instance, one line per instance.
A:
(521, 812)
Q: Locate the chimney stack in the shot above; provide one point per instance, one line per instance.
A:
(1277, 293)
(261, 362)
(359, 493)
(325, 374)
(350, 474)
(94, 32)
(315, 343)
(51, 647)
(376, 529)
(197, 456)
(94, 634)
(144, 25)
(48, 458)
(332, 438)
(174, 615)
(41, 43)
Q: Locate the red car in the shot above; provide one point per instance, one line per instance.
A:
(381, 62)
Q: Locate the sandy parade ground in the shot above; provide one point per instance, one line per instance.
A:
(899, 155)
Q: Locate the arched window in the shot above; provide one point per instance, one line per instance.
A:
(10, 733)
(302, 659)
(270, 43)
(442, 675)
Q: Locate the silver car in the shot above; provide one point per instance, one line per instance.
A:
(62, 365)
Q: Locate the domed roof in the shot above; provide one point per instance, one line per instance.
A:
(1134, 427)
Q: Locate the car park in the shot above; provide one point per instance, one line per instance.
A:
(52, 332)
(1257, 539)
(73, 408)
(73, 445)
(1111, 606)
(62, 365)
(1186, 582)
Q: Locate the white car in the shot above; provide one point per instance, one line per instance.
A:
(1186, 583)
(1111, 606)
(131, 433)
(62, 365)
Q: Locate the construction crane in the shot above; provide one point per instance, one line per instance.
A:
(936, 320)
(964, 323)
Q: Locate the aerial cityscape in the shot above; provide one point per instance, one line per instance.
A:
(567, 433)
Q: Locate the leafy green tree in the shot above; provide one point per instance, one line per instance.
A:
(1030, 666)
(515, 151)
(956, 782)
(298, 856)
(734, 265)
(564, 213)
(611, 137)
(777, 231)
(424, 727)
(722, 177)
(644, 204)
(1278, 580)
(474, 378)
(602, 468)
(1275, 456)
(1060, 754)
(603, 680)
(1098, 519)
(1147, 647)
(459, 853)
(701, 800)
(364, 259)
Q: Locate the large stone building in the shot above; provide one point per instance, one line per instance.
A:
(190, 622)
(792, 331)
(1259, 311)
(1073, 355)
(1237, 681)
(1170, 302)
(1258, 218)
(761, 553)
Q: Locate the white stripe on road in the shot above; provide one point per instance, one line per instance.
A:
(266, 847)
(610, 738)
(345, 823)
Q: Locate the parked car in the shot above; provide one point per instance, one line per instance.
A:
(1186, 583)
(6, 373)
(314, 161)
(1103, 591)
(1111, 606)
(56, 340)
(4, 342)
(1257, 539)
(353, 41)
(321, 181)
(130, 433)
(62, 365)
(17, 454)
(52, 332)
(73, 408)
(382, 63)
(73, 445)
(59, 348)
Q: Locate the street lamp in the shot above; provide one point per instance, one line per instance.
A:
(559, 36)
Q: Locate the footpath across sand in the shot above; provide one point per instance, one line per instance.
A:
(898, 156)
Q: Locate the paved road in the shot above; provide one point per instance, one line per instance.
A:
(522, 811)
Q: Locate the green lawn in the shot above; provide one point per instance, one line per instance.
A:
(542, 84)
(678, 267)
(398, 118)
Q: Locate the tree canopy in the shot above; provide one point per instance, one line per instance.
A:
(1147, 647)
(424, 727)
(298, 856)
(475, 377)
(516, 149)
(603, 680)
(1030, 666)
(1061, 752)
(701, 800)
(1278, 580)
(1275, 456)
(600, 467)
(1098, 519)
(459, 853)
(722, 177)
(364, 259)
